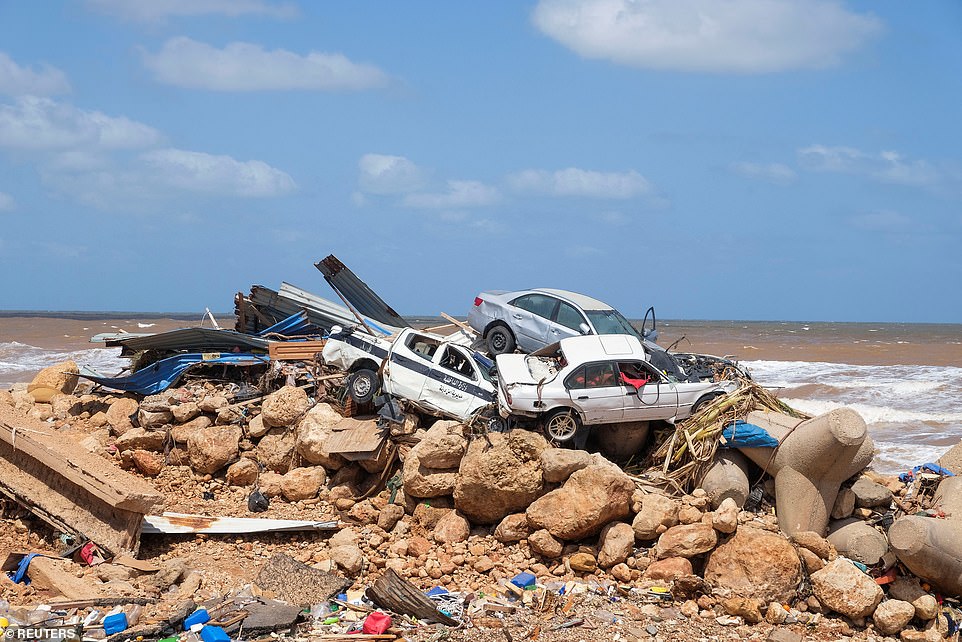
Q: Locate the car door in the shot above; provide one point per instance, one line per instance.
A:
(655, 398)
(452, 385)
(409, 364)
(530, 317)
(566, 322)
(594, 389)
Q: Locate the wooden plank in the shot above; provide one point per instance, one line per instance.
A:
(90, 472)
(65, 505)
(461, 324)
(356, 436)
(294, 350)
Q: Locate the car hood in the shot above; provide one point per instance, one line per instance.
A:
(513, 368)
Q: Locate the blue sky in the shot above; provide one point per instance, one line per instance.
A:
(737, 159)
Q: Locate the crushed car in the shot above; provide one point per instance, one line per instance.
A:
(437, 375)
(529, 320)
(582, 381)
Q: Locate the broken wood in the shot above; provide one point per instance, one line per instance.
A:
(394, 593)
(171, 523)
(72, 490)
(461, 324)
(294, 350)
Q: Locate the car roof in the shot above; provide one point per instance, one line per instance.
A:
(602, 346)
(581, 300)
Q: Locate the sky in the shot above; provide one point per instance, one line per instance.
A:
(717, 159)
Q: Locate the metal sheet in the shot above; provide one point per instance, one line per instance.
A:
(185, 523)
(357, 293)
(162, 374)
(275, 306)
(192, 340)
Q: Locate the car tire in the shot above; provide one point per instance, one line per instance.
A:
(562, 426)
(704, 401)
(500, 340)
(362, 385)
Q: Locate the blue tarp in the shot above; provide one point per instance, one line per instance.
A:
(925, 468)
(162, 374)
(295, 325)
(741, 434)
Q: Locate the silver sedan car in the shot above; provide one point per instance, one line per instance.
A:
(531, 319)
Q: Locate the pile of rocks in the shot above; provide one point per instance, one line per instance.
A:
(475, 509)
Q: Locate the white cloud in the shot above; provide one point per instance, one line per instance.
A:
(242, 66)
(773, 172)
(156, 10)
(7, 203)
(885, 166)
(741, 36)
(18, 81)
(383, 174)
(222, 175)
(580, 182)
(33, 123)
(457, 195)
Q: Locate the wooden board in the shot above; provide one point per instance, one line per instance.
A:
(70, 499)
(294, 350)
(356, 436)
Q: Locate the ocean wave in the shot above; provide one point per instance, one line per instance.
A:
(18, 361)
(874, 414)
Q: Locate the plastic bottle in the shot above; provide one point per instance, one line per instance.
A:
(133, 614)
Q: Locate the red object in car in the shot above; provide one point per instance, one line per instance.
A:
(478, 301)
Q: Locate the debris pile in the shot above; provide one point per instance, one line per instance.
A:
(270, 500)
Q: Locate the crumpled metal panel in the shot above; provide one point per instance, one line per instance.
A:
(162, 374)
(357, 293)
(192, 340)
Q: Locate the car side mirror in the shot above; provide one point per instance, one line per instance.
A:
(584, 328)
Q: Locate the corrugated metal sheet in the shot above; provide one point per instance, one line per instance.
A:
(295, 325)
(357, 293)
(162, 374)
(186, 523)
(192, 340)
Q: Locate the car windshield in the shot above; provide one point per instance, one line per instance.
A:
(610, 322)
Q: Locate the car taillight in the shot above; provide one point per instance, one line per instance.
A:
(478, 301)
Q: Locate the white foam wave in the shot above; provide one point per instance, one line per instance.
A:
(874, 414)
(19, 360)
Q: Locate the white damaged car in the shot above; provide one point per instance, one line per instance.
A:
(438, 375)
(597, 379)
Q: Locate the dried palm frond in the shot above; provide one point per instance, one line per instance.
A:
(686, 453)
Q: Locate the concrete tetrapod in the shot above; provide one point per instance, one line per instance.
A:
(812, 460)
(727, 477)
(932, 548)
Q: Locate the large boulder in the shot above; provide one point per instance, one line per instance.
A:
(303, 483)
(60, 378)
(140, 439)
(512, 528)
(210, 449)
(591, 498)
(275, 450)
(501, 478)
(755, 563)
(120, 413)
(242, 472)
(616, 543)
(452, 528)
(892, 616)
(444, 445)
(182, 432)
(658, 513)
(871, 494)
(687, 540)
(423, 482)
(557, 464)
(184, 412)
(283, 407)
(313, 434)
(843, 588)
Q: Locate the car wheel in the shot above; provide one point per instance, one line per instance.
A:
(497, 424)
(704, 401)
(500, 340)
(561, 426)
(362, 385)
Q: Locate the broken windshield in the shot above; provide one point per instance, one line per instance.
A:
(610, 322)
